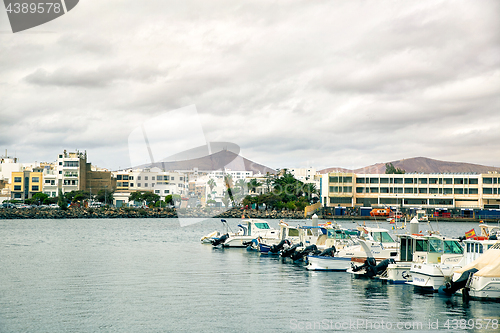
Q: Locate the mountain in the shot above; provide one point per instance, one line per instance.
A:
(216, 161)
(421, 165)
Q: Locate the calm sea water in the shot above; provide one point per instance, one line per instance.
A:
(151, 275)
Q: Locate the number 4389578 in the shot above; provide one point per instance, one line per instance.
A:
(41, 7)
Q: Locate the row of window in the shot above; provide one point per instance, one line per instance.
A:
(366, 202)
(34, 188)
(164, 191)
(410, 190)
(20, 179)
(446, 181)
(159, 177)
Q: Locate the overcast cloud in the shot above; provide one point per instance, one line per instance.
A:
(293, 83)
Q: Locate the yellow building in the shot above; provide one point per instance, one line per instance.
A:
(26, 183)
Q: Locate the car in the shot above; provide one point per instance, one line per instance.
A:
(8, 205)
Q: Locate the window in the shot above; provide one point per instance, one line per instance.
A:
(157, 191)
(17, 187)
(458, 180)
(60, 163)
(47, 181)
(145, 177)
(159, 178)
(153, 178)
(459, 191)
(487, 180)
(408, 190)
(422, 190)
(70, 164)
(139, 178)
(130, 177)
(398, 180)
(433, 190)
(60, 172)
(119, 177)
(180, 178)
(17, 179)
(373, 180)
(145, 184)
(166, 191)
(384, 180)
(487, 190)
(360, 190)
(35, 179)
(172, 178)
(422, 180)
(408, 180)
(447, 191)
(347, 189)
(138, 184)
(473, 181)
(35, 188)
(433, 180)
(373, 189)
(384, 190)
(131, 184)
(125, 177)
(448, 181)
(359, 180)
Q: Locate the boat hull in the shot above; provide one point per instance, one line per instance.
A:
(326, 263)
(397, 273)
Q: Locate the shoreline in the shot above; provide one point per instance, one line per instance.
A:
(126, 212)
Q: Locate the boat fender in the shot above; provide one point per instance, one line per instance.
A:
(417, 234)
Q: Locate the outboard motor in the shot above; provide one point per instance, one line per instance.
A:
(297, 255)
(220, 240)
(276, 248)
(330, 252)
(451, 287)
(382, 266)
(288, 252)
(369, 265)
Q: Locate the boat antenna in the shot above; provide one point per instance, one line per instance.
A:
(224, 222)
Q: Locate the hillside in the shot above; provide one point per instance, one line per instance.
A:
(422, 165)
(216, 161)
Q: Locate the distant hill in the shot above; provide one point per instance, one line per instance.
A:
(420, 164)
(219, 160)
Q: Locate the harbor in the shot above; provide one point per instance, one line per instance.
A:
(152, 275)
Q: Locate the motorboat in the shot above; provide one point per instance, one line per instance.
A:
(248, 230)
(480, 279)
(288, 235)
(434, 260)
(336, 239)
(374, 243)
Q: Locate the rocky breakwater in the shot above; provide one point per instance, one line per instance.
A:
(126, 212)
(86, 213)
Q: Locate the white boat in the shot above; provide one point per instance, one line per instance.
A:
(480, 279)
(371, 242)
(336, 239)
(251, 229)
(422, 216)
(434, 261)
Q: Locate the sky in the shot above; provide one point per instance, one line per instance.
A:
(292, 83)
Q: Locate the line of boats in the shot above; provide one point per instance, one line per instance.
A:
(430, 262)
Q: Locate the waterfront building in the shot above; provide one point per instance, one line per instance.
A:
(447, 190)
(26, 183)
(162, 183)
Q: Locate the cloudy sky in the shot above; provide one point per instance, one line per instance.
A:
(293, 83)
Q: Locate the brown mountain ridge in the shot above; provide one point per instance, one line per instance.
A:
(420, 165)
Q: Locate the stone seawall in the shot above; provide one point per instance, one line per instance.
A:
(96, 213)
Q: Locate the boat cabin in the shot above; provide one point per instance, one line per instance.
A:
(434, 250)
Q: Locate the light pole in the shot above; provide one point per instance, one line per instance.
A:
(105, 195)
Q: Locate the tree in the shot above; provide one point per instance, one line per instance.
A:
(390, 169)
(105, 196)
(211, 184)
(241, 184)
(62, 202)
(39, 198)
(136, 196)
(150, 197)
(252, 185)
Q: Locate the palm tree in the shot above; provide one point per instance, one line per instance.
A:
(253, 184)
(211, 184)
(242, 184)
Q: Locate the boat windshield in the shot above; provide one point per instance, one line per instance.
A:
(382, 237)
(452, 247)
(421, 245)
(337, 234)
(435, 246)
(262, 225)
(293, 232)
